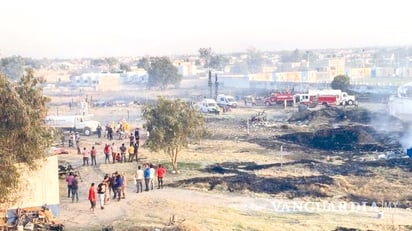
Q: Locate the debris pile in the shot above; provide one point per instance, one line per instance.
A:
(346, 138)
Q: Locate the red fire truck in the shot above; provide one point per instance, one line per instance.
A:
(314, 100)
(279, 98)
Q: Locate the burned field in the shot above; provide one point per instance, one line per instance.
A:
(345, 154)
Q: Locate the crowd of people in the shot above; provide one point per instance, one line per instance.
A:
(113, 153)
(114, 186)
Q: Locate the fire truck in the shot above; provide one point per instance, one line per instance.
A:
(314, 100)
(280, 98)
(343, 98)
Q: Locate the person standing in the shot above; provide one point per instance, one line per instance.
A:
(69, 180)
(160, 172)
(93, 155)
(146, 175)
(130, 150)
(85, 154)
(139, 179)
(118, 187)
(106, 154)
(131, 139)
(99, 131)
(110, 133)
(136, 151)
(101, 190)
(123, 153)
(75, 188)
(77, 137)
(152, 176)
(92, 198)
(106, 182)
(114, 152)
(124, 185)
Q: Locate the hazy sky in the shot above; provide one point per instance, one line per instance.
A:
(91, 28)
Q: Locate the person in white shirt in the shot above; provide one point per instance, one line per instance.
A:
(139, 179)
(152, 176)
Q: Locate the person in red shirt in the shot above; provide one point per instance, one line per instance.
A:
(92, 198)
(160, 172)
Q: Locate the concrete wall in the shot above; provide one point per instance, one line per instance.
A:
(40, 187)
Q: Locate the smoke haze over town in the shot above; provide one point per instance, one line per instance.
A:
(75, 29)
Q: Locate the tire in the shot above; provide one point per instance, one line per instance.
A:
(350, 102)
(268, 104)
(87, 132)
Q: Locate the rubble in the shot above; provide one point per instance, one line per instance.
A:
(346, 138)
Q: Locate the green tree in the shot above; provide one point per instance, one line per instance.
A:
(340, 82)
(162, 72)
(24, 136)
(171, 126)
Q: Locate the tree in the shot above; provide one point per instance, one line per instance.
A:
(205, 54)
(254, 60)
(124, 67)
(171, 125)
(340, 82)
(218, 62)
(13, 67)
(24, 136)
(144, 63)
(162, 72)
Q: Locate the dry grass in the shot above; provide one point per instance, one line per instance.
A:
(219, 212)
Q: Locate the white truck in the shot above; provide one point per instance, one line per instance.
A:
(79, 123)
(226, 100)
(343, 98)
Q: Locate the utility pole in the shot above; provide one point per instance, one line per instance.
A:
(216, 86)
(210, 84)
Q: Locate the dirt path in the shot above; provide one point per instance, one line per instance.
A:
(205, 210)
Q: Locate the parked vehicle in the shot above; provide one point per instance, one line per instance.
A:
(76, 123)
(209, 106)
(343, 98)
(226, 101)
(314, 100)
(279, 98)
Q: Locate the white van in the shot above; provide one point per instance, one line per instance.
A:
(79, 123)
(209, 106)
(226, 100)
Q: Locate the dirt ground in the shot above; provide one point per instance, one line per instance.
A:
(260, 176)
